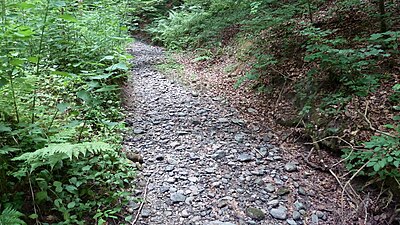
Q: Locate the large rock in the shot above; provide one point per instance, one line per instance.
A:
(279, 213)
(255, 213)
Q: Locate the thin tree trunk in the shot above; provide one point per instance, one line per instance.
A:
(382, 15)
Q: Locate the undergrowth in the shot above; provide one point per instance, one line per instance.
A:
(61, 63)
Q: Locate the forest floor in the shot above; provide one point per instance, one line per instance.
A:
(211, 161)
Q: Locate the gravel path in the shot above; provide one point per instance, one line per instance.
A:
(203, 163)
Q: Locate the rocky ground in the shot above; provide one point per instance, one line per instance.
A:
(205, 163)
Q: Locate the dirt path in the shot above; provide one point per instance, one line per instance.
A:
(205, 164)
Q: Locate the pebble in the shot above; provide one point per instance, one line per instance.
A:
(245, 157)
(291, 222)
(296, 215)
(177, 197)
(290, 167)
(298, 205)
(270, 187)
(314, 219)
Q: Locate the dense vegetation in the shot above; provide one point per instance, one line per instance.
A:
(61, 63)
(340, 59)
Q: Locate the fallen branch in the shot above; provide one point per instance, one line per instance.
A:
(370, 124)
(301, 120)
(141, 204)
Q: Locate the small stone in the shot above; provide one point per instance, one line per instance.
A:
(145, 213)
(164, 189)
(321, 215)
(239, 138)
(171, 180)
(195, 94)
(302, 191)
(266, 138)
(259, 181)
(134, 205)
(217, 222)
(218, 155)
(273, 203)
(270, 187)
(138, 131)
(290, 167)
(196, 121)
(193, 179)
(238, 121)
(185, 213)
(283, 191)
(159, 157)
(279, 213)
(296, 215)
(177, 197)
(223, 120)
(291, 222)
(255, 213)
(244, 157)
(210, 170)
(252, 111)
(169, 168)
(298, 205)
(174, 144)
(314, 219)
(182, 133)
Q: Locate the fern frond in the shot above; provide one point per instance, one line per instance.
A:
(55, 153)
(10, 216)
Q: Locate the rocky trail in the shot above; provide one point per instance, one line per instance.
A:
(204, 163)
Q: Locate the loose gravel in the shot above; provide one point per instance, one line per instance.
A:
(205, 164)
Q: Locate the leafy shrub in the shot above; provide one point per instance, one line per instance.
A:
(60, 110)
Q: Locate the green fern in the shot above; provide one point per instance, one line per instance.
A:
(10, 216)
(55, 153)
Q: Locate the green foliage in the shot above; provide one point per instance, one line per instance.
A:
(381, 157)
(11, 216)
(60, 70)
(349, 67)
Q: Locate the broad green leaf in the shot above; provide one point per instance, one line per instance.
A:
(4, 128)
(69, 18)
(99, 77)
(41, 196)
(58, 186)
(84, 95)
(64, 74)
(33, 59)
(58, 202)
(70, 188)
(24, 5)
(71, 205)
(3, 82)
(377, 167)
(62, 107)
(371, 164)
(108, 57)
(33, 216)
(118, 66)
(17, 62)
(108, 88)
